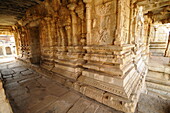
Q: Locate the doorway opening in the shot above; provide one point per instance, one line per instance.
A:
(7, 48)
(160, 39)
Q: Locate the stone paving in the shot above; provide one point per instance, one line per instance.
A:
(30, 92)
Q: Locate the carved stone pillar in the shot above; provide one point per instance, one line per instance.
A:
(80, 9)
(68, 31)
(56, 29)
(88, 19)
(48, 19)
(53, 31)
(42, 33)
(118, 40)
(72, 7)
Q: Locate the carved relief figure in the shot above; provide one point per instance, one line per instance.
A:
(80, 10)
(102, 25)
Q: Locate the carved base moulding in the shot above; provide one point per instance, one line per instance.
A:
(65, 73)
(72, 62)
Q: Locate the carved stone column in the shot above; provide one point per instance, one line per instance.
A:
(118, 40)
(48, 19)
(88, 19)
(56, 29)
(53, 31)
(68, 31)
(72, 7)
(80, 10)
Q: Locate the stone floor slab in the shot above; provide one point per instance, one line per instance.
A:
(19, 69)
(30, 92)
(80, 106)
(6, 72)
(27, 72)
(63, 104)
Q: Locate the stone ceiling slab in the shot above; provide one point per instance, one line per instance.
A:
(13, 10)
(158, 9)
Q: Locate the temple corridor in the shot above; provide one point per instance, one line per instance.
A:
(32, 92)
(84, 56)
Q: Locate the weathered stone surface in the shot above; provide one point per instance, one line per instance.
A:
(44, 103)
(19, 69)
(97, 47)
(92, 46)
(44, 95)
(80, 106)
(153, 106)
(7, 72)
(63, 104)
(92, 93)
(27, 72)
(92, 108)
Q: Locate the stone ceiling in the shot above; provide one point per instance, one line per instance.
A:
(159, 10)
(13, 10)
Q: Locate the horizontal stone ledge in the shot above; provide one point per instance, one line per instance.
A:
(158, 87)
(161, 69)
(111, 87)
(160, 93)
(157, 81)
(112, 47)
(65, 73)
(70, 62)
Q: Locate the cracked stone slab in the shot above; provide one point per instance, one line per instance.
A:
(106, 110)
(19, 69)
(27, 72)
(6, 72)
(92, 108)
(11, 85)
(56, 90)
(7, 76)
(18, 91)
(21, 79)
(3, 67)
(14, 65)
(63, 104)
(80, 106)
(26, 79)
(42, 104)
